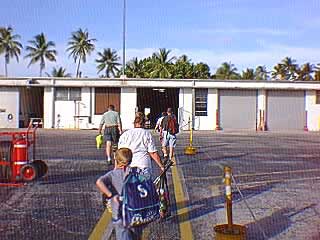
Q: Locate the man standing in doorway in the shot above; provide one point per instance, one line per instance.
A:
(169, 128)
(112, 130)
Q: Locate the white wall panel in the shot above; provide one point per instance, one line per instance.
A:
(128, 103)
(185, 107)
(313, 111)
(9, 105)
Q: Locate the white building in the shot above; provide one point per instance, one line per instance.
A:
(214, 104)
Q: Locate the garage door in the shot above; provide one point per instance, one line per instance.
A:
(285, 110)
(237, 109)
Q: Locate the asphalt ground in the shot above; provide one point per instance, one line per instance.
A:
(277, 173)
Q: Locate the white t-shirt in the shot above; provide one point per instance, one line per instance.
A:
(140, 142)
(158, 124)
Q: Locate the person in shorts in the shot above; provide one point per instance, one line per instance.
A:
(111, 122)
(111, 185)
(168, 139)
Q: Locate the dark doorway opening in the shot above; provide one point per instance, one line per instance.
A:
(31, 105)
(157, 100)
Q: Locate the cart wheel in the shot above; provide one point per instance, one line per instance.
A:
(29, 172)
(5, 156)
(41, 167)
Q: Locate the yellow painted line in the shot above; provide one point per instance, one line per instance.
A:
(101, 226)
(182, 210)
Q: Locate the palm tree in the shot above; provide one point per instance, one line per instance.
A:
(201, 71)
(261, 73)
(317, 72)
(304, 73)
(135, 68)
(147, 66)
(108, 61)
(248, 74)
(80, 45)
(58, 72)
(40, 50)
(279, 72)
(183, 68)
(227, 71)
(10, 46)
(290, 67)
(162, 64)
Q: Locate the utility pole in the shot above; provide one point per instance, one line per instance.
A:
(124, 40)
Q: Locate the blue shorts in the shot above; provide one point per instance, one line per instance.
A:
(168, 140)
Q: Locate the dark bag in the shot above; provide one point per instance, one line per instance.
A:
(172, 125)
(140, 201)
(163, 191)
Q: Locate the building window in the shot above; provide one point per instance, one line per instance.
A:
(201, 102)
(68, 94)
(318, 97)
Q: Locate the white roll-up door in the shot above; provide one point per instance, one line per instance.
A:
(237, 109)
(285, 110)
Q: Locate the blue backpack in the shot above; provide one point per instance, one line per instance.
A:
(140, 201)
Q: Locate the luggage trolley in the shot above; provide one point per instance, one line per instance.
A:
(15, 152)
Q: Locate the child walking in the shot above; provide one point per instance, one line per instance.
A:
(111, 185)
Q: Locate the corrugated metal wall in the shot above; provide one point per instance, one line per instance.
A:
(285, 110)
(237, 109)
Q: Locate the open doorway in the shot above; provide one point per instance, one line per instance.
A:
(31, 105)
(156, 100)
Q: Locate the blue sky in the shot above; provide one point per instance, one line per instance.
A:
(246, 33)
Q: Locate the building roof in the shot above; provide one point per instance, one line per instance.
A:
(168, 83)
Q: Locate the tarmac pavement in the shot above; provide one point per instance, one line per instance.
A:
(278, 175)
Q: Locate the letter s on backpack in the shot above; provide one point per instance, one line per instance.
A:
(142, 190)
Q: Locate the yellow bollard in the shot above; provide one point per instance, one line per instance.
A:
(190, 150)
(229, 231)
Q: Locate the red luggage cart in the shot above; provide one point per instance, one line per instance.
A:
(15, 152)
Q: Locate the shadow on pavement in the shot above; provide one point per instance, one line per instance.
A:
(205, 206)
(275, 224)
(272, 225)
